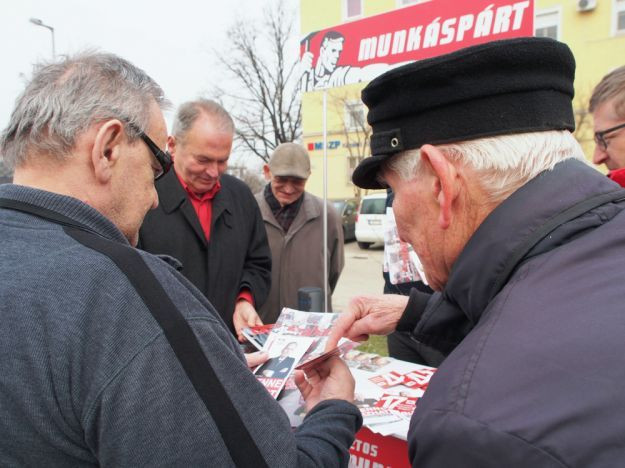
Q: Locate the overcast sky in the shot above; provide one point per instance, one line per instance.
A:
(171, 41)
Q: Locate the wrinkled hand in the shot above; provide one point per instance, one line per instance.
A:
(330, 380)
(244, 316)
(368, 315)
(256, 359)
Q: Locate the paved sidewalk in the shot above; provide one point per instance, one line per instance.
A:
(362, 274)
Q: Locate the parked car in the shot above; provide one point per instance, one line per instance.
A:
(370, 220)
(348, 210)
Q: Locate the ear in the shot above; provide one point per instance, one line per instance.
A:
(446, 186)
(267, 172)
(107, 149)
(171, 145)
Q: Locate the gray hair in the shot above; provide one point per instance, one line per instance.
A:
(189, 112)
(502, 164)
(64, 98)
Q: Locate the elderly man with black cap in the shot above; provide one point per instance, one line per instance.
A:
(294, 223)
(522, 239)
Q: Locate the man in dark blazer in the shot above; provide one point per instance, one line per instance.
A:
(209, 221)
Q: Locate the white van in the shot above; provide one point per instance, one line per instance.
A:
(370, 220)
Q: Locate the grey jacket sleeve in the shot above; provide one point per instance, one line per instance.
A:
(447, 438)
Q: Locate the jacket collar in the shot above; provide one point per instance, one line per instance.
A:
(509, 225)
(309, 210)
(172, 196)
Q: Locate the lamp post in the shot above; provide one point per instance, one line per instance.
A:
(38, 22)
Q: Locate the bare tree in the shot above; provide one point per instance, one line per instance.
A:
(262, 93)
(354, 127)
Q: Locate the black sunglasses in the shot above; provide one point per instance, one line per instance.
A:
(163, 157)
(600, 136)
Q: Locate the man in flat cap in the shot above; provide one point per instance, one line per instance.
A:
(294, 223)
(524, 244)
(607, 105)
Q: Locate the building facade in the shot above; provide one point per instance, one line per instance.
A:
(593, 29)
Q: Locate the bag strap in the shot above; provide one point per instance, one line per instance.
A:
(239, 442)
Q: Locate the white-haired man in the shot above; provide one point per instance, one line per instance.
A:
(110, 356)
(518, 235)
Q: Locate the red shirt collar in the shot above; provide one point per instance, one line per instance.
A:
(205, 196)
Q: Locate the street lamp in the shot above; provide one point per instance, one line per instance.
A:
(38, 22)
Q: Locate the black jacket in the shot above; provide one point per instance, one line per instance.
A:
(237, 255)
(537, 378)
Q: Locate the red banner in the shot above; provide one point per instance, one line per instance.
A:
(361, 50)
(371, 450)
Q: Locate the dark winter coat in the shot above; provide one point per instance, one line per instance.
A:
(237, 255)
(538, 379)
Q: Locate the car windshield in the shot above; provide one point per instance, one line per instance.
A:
(373, 206)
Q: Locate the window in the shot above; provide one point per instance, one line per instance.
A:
(354, 115)
(352, 8)
(547, 24)
(619, 17)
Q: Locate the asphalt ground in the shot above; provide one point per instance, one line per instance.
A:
(362, 274)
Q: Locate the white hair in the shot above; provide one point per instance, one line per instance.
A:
(64, 98)
(501, 164)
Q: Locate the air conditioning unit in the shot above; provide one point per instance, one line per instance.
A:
(586, 5)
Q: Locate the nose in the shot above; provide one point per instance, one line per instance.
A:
(211, 170)
(600, 155)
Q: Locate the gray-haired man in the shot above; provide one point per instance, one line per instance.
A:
(93, 372)
(208, 220)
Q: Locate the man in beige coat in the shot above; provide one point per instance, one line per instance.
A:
(294, 223)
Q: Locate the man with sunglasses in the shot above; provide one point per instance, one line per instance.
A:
(607, 105)
(110, 357)
(208, 220)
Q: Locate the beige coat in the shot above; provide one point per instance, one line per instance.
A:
(297, 256)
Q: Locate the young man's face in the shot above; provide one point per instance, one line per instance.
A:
(613, 156)
(330, 52)
(202, 156)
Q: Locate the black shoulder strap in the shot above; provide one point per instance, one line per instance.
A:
(183, 341)
(557, 220)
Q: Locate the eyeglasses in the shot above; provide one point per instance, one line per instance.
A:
(163, 157)
(600, 136)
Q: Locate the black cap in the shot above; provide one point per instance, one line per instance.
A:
(497, 88)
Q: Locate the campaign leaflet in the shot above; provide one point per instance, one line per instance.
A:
(285, 351)
(400, 259)
(387, 392)
(296, 337)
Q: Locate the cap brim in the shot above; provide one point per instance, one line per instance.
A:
(366, 173)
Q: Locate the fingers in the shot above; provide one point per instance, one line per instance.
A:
(256, 359)
(303, 386)
(340, 329)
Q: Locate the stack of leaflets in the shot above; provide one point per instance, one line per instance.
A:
(296, 340)
(387, 389)
(387, 392)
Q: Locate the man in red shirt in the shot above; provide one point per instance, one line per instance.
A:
(209, 220)
(607, 105)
